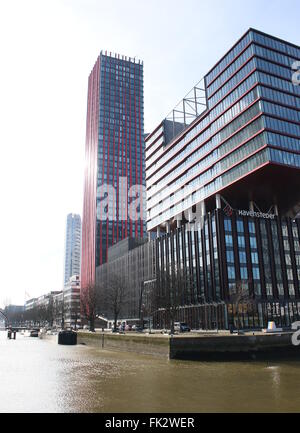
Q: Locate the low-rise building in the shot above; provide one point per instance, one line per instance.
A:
(45, 309)
(58, 310)
(71, 302)
(30, 304)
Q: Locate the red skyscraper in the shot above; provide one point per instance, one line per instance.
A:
(114, 159)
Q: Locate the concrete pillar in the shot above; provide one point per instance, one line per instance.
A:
(218, 201)
(158, 232)
(149, 236)
(168, 227)
(203, 208)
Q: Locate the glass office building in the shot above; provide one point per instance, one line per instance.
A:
(223, 189)
(115, 170)
(72, 247)
(245, 142)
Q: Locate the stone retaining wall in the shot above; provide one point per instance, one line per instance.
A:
(202, 347)
(234, 347)
(143, 344)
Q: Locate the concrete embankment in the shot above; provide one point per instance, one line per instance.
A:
(156, 345)
(234, 347)
(53, 338)
(203, 347)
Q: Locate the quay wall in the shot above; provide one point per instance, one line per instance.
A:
(222, 347)
(234, 347)
(142, 344)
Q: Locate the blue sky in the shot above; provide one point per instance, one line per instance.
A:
(48, 48)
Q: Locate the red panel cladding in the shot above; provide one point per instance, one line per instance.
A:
(141, 162)
(126, 157)
(107, 169)
(90, 180)
(130, 154)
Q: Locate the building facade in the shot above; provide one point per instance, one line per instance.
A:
(71, 302)
(247, 252)
(115, 167)
(131, 264)
(45, 310)
(244, 145)
(72, 247)
(223, 188)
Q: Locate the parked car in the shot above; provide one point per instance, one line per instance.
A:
(34, 333)
(122, 327)
(181, 327)
(137, 328)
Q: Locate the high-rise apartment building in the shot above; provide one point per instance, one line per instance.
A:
(72, 247)
(114, 200)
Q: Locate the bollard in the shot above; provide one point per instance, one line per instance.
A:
(67, 338)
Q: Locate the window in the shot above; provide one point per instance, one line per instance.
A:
(269, 290)
(243, 257)
(257, 289)
(285, 230)
(227, 225)
(229, 240)
(251, 227)
(230, 256)
(244, 273)
(240, 226)
(241, 241)
(231, 273)
(253, 242)
(280, 289)
(291, 290)
(254, 258)
(256, 273)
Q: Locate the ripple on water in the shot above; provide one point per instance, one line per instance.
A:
(39, 376)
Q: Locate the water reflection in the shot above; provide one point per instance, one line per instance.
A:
(40, 376)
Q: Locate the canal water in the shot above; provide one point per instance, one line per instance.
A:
(40, 376)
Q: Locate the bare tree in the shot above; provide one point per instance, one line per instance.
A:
(50, 312)
(13, 316)
(89, 301)
(41, 315)
(113, 295)
(58, 311)
(148, 300)
(75, 312)
(169, 293)
(239, 298)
